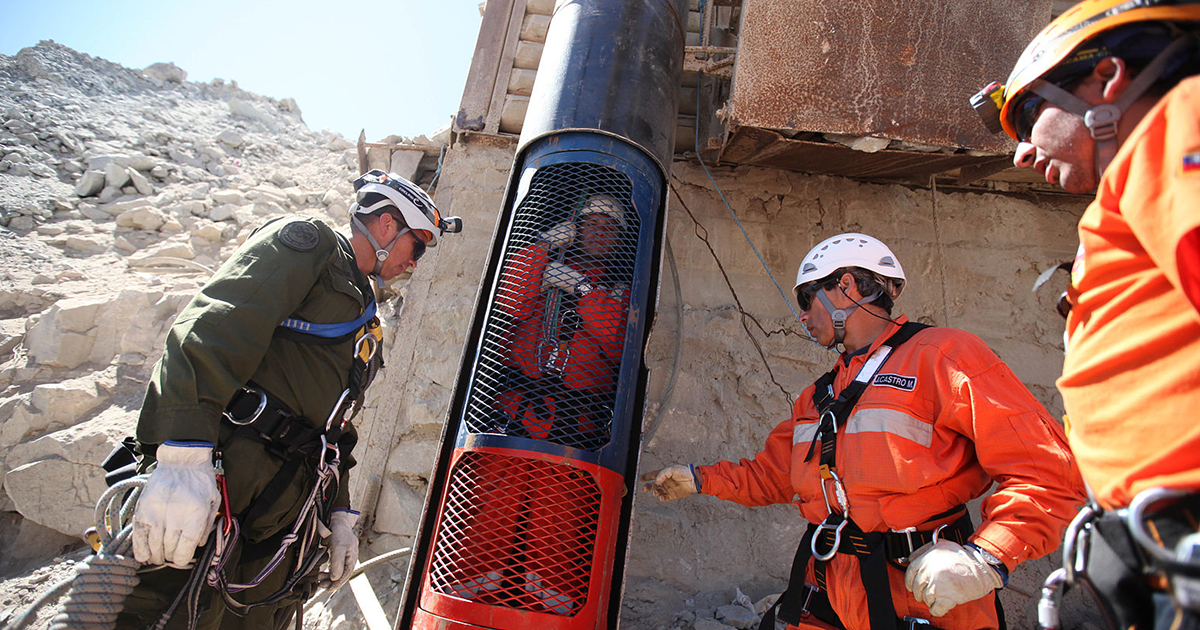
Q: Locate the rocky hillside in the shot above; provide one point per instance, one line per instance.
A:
(120, 191)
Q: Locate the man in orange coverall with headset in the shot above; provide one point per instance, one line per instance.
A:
(882, 454)
(1107, 96)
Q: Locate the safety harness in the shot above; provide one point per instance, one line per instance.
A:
(1123, 557)
(839, 534)
(254, 413)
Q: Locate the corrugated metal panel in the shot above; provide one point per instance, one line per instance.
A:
(899, 70)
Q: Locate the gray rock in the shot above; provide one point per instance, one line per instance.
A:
(90, 184)
(166, 72)
(227, 196)
(231, 138)
(244, 109)
(145, 218)
(223, 212)
(140, 183)
(737, 616)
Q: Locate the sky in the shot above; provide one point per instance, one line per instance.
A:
(395, 67)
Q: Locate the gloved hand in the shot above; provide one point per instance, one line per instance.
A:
(177, 507)
(562, 276)
(343, 547)
(944, 574)
(672, 482)
(560, 235)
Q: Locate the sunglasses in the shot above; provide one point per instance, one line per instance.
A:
(1027, 115)
(418, 245)
(1028, 110)
(804, 297)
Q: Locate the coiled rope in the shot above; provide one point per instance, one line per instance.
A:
(103, 580)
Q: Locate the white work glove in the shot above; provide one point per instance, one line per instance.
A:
(560, 235)
(944, 574)
(562, 276)
(672, 482)
(343, 547)
(177, 507)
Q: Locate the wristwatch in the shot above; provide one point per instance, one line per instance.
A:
(993, 561)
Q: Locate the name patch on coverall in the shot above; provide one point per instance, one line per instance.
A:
(905, 383)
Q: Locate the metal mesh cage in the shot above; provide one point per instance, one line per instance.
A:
(552, 343)
(517, 533)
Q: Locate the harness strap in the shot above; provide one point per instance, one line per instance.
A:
(333, 333)
(835, 411)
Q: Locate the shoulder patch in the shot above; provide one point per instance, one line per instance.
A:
(301, 236)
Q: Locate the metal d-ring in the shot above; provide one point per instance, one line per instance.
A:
(837, 539)
(262, 404)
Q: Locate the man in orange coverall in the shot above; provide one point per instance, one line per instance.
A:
(570, 325)
(1107, 96)
(882, 454)
(568, 330)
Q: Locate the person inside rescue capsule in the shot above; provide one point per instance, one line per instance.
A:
(568, 318)
(569, 324)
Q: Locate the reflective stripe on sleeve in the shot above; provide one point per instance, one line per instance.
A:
(875, 420)
(879, 420)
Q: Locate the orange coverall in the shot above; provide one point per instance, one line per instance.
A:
(586, 358)
(571, 368)
(947, 420)
(1131, 379)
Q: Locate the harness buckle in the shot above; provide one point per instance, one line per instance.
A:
(910, 623)
(812, 590)
(1102, 121)
(837, 537)
(262, 404)
(908, 532)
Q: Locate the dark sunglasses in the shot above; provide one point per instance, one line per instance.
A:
(804, 297)
(1027, 115)
(1030, 107)
(419, 246)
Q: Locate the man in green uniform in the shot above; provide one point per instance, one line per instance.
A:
(244, 423)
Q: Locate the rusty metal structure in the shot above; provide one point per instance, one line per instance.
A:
(867, 90)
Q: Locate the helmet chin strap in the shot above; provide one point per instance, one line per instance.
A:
(840, 315)
(1102, 120)
(381, 253)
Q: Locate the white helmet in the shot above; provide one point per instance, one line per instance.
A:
(604, 204)
(412, 202)
(850, 250)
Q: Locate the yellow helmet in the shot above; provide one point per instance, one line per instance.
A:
(1059, 44)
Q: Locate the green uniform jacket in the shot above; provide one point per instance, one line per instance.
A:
(291, 267)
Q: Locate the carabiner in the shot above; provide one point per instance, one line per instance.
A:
(832, 418)
(837, 538)
(336, 408)
(1135, 521)
(262, 404)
